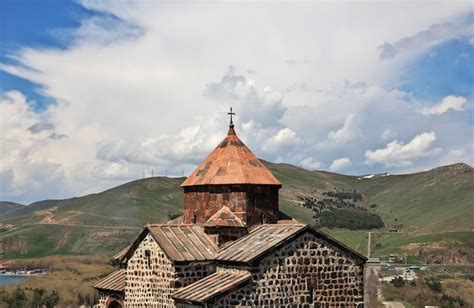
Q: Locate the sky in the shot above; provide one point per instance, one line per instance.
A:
(97, 93)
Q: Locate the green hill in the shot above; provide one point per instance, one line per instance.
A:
(419, 205)
(7, 207)
(441, 199)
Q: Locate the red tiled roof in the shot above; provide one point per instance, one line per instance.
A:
(113, 282)
(209, 287)
(231, 162)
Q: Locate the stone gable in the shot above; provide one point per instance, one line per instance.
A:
(305, 271)
(149, 276)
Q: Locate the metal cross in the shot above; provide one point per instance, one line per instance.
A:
(231, 114)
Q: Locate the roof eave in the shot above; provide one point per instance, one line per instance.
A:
(225, 184)
(307, 227)
(223, 292)
(109, 290)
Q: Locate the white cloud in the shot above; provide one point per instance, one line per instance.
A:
(456, 103)
(435, 34)
(387, 134)
(263, 105)
(285, 138)
(348, 132)
(148, 91)
(24, 172)
(397, 153)
(340, 164)
(311, 163)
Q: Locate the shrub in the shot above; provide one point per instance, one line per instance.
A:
(398, 282)
(354, 219)
(434, 284)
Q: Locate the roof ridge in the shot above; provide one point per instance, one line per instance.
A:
(271, 235)
(169, 225)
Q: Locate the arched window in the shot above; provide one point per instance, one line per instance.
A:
(114, 302)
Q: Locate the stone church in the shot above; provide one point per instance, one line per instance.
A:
(233, 247)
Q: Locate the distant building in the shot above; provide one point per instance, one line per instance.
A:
(233, 247)
(374, 261)
(409, 274)
(394, 258)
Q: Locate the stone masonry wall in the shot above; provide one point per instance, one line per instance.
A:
(203, 204)
(151, 277)
(105, 298)
(189, 273)
(307, 272)
(251, 203)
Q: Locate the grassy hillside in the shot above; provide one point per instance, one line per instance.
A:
(433, 202)
(38, 241)
(7, 207)
(438, 200)
(132, 204)
(26, 210)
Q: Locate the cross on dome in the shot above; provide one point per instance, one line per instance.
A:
(231, 125)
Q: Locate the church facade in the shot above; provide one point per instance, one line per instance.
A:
(233, 248)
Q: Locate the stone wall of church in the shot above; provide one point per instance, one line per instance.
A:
(102, 301)
(305, 271)
(189, 273)
(151, 277)
(253, 204)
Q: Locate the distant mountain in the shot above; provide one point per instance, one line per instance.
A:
(27, 209)
(435, 201)
(439, 199)
(7, 206)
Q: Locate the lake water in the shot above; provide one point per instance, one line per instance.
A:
(4, 280)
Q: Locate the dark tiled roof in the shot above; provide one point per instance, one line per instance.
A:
(258, 242)
(209, 287)
(119, 255)
(113, 282)
(231, 162)
(183, 242)
(267, 237)
(224, 218)
(177, 220)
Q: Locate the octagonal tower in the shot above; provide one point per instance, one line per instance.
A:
(232, 177)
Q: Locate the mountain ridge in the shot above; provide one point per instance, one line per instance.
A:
(414, 204)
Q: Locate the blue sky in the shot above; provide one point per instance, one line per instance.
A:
(95, 93)
(441, 71)
(29, 23)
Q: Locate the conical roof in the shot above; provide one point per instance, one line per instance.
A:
(231, 162)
